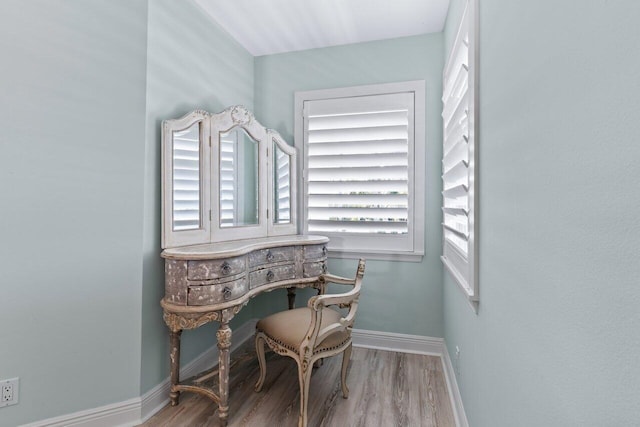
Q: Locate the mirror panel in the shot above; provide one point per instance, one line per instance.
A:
(186, 178)
(238, 169)
(281, 186)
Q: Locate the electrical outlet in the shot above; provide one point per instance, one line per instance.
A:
(9, 391)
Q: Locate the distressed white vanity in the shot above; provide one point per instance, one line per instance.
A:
(228, 230)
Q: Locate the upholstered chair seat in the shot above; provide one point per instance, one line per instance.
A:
(312, 333)
(288, 328)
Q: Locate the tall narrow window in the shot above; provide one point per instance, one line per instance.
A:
(459, 117)
(360, 149)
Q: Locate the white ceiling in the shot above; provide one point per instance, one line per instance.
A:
(266, 27)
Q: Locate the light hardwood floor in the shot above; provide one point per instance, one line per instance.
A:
(386, 389)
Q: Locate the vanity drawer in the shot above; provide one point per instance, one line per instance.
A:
(217, 293)
(273, 274)
(313, 269)
(215, 269)
(315, 251)
(268, 256)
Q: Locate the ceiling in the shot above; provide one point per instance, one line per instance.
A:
(276, 26)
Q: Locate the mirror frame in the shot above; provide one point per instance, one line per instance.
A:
(211, 125)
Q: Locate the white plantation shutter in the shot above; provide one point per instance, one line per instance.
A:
(186, 178)
(360, 167)
(459, 158)
(358, 164)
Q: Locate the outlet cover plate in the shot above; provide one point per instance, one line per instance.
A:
(9, 390)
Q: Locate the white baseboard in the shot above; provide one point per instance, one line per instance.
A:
(400, 343)
(417, 344)
(138, 410)
(454, 391)
(117, 414)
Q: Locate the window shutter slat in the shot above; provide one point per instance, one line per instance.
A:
(459, 190)
(358, 173)
(452, 173)
(361, 160)
(356, 147)
(362, 120)
(371, 186)
(358, 134)
(363, 227)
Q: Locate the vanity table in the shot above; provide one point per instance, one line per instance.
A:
(213, 282)
(229, 230)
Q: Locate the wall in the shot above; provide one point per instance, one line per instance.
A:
(555, 341)
(192, 64)
(414, 289)
(72, 116)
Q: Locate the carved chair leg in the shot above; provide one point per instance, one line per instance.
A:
(304, 377)
(261, 361)
(346, 356)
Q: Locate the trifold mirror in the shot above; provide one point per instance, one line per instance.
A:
(225, 177)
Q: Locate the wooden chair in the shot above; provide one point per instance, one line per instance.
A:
(312, 333)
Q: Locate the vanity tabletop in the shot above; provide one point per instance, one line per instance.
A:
(239, 247)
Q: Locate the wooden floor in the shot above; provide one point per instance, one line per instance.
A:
(386, 389)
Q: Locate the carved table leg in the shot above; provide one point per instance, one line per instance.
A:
(174, 395)
(291, 295)
(224, 344)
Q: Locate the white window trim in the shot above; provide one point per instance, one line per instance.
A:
(464, 269)
(418, 168)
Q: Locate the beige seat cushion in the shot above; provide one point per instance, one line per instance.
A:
(289, 327)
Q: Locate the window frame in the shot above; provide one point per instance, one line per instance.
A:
(341, 244)
(464, 268)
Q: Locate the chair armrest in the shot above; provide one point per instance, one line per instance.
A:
(317, 302)
(344, 299)
(331, 278)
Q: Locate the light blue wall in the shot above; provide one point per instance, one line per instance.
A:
(556, 339)
(401, 297)
(72, 111)
(192, 64)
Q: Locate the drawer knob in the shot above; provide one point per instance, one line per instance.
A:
(270, 275)
(269, 256)
(225, 268)
(226, 293)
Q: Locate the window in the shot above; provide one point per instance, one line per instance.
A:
(363, 153)
(460, 119)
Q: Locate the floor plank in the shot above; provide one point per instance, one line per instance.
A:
(385, 389)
